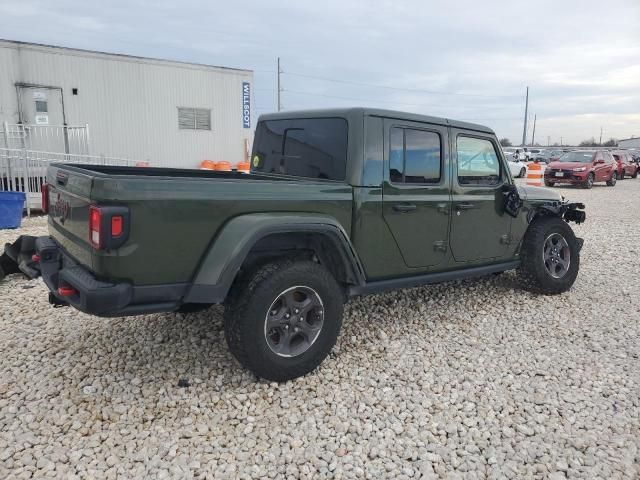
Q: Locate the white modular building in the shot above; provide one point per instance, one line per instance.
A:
(629, 142)
(167, 113)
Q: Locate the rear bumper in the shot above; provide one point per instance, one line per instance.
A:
(98, 297)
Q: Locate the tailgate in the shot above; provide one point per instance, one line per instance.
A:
(69, 200)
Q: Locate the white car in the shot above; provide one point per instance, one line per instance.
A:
(518, 168)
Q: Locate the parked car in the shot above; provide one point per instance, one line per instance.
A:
(542, 156)
(337, 203)
(582, 167)
(627, 167)
(555, 155)
(517, 168)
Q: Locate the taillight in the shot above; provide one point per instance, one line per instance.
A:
(45, 197)
(108, 226)
(117, 225)
(95, 226)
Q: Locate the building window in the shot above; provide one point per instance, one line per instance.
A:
(41, 106)
(194, 118)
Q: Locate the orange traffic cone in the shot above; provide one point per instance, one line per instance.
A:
(535, 174)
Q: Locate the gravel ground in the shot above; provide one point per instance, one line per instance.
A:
(474, 379)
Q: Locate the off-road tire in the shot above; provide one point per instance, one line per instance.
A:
(635, 174)
(588, 183)
(532, 272)
(249, 301)
(613, 180)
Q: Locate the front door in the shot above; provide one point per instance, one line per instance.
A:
(416, 196)
(41, 110)
(480, 228)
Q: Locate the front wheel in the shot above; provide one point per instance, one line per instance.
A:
(588, 183)
(612, 181)
(282, 319)
(635, 173)
(550, 256)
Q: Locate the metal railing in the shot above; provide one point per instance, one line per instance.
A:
(25, 171)
(72, 139)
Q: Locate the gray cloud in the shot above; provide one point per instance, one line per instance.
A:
(580, 58)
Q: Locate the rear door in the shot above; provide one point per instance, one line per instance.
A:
(41, 108)
(480, 229)
(416, 193)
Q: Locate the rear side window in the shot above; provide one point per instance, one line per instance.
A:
(414, 156)
(478, 162)
(311, 148)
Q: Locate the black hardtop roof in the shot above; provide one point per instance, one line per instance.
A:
(375, 112)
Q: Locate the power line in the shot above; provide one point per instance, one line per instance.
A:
(433, 92)
(430, 105)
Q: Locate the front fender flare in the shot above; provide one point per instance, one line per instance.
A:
(230, 247)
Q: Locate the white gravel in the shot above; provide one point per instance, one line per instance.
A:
(475, 379)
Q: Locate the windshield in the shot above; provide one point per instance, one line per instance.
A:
(582, 157)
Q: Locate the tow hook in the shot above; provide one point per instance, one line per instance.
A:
(56, 302)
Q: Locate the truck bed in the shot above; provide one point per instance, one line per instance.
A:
(175, 214)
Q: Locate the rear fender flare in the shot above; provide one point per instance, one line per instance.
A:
(231, 246)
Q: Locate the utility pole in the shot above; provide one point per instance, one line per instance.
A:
(526, 112)
(533, 136)
(279, 89)
(600, 136)
(548, 140)
(560, 141)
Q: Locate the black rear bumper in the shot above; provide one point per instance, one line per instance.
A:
(95, 296)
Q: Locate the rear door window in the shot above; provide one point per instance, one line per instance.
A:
(311, 148)
(415, 156)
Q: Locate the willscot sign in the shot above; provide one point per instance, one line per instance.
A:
(246, 105)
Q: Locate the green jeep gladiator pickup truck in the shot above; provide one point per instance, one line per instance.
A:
(338, 203)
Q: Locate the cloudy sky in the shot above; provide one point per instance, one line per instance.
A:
(468, 59)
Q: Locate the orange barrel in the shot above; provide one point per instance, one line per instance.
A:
(222, 166)
(207, 165)
(535, 174)
(243, 167)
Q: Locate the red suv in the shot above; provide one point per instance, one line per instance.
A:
(626, 166)
(582, 167)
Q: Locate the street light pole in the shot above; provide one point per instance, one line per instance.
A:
(526, 112)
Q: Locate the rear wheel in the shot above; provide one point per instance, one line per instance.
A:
(635, 173)
(523, 172)
(547, 183)
(550, 257)
(588, 183)
(282, 319)
(613, 180)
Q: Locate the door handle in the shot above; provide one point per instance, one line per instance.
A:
(404, 207)
(465, 206)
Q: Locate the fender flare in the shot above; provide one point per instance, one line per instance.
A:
(230, 247)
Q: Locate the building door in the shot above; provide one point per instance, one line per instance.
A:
(416, 191)
(42, 114)
(480, 228)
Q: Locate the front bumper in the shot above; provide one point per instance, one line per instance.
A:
(567, 177)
